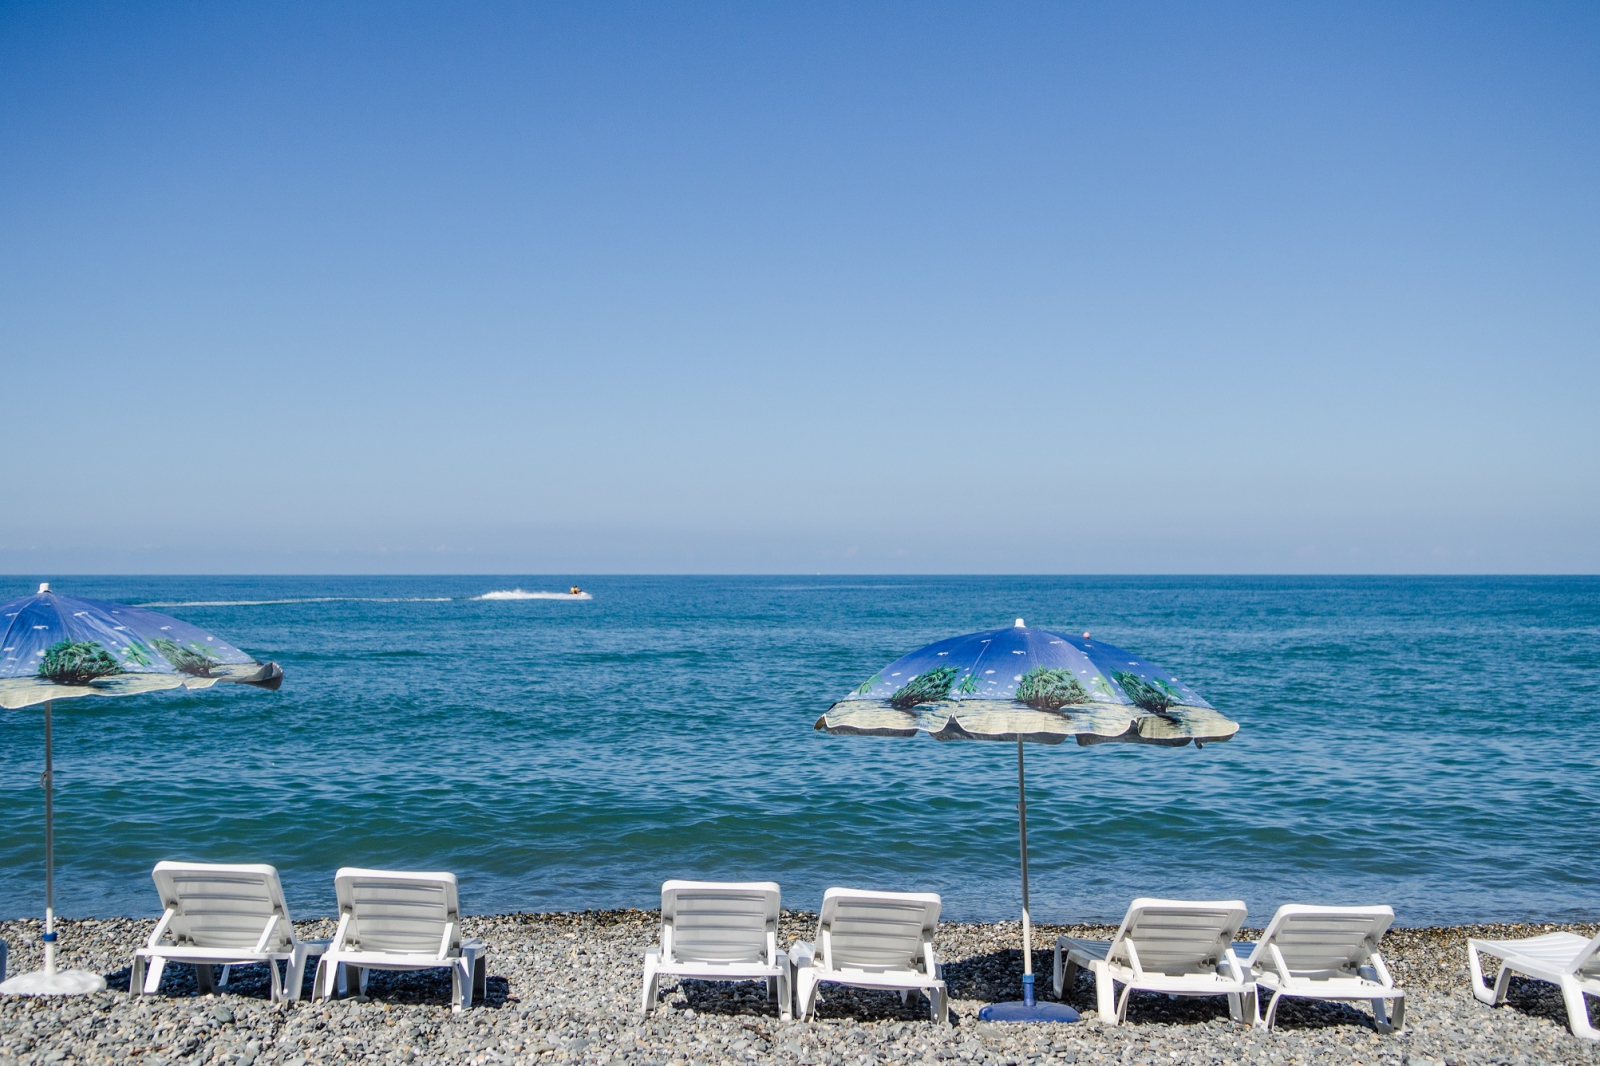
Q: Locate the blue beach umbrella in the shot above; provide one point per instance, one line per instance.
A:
(55, 647)
(1029, 686)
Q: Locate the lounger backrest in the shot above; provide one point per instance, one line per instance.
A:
(876, 930)
(1175, 936)
(217, 905)
(1322, 940)
(399, 911)
(719, 921)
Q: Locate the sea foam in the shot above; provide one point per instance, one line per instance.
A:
(519, 594)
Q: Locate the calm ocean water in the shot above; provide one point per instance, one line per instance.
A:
(1428, 743)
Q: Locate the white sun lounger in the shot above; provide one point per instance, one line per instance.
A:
(872, 940)
(1326, 953)
(719, 931)
(1564, 959)
(1179, 947)
(222, 915)
(401, 921)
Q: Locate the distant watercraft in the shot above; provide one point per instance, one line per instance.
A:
(520, 594)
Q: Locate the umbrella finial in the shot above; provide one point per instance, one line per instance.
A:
(44, 586)
(1019, 625)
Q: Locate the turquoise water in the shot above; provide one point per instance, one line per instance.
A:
(1428, 743)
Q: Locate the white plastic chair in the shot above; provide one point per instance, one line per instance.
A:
(1564, 959)
(1179, 947)
(719, 931)
(401, 921)
(1326, 953)
(224, 915)
(872, 940)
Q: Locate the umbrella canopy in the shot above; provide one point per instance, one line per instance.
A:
(55, 647)
(1029, 686)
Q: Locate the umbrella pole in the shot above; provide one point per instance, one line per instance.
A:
(1027, 931)
(48, 783)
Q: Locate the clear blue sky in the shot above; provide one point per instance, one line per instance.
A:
(762, 287)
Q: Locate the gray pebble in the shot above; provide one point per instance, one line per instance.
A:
(563, 989)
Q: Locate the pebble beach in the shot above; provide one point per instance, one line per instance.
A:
(563, 988)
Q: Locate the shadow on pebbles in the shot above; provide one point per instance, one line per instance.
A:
(565, 987)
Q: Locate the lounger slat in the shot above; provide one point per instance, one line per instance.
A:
(1178, 941)
(405, 916)
(876, 934)
(222, 906)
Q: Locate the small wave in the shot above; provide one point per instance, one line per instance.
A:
(519, 594)
(305, 599)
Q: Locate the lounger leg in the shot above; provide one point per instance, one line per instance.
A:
(277, 982)
(1271, 1014)
(647, 1000)
(1069, 980)
(1105, 992)
(1397, 1014)
(1122, 1006)
(480, 976)
(1577, 1010)
(460, 985)
(136, 977)
(152, 980)
(805, 994)
(227, 972)
(1057, 978)
(295, 974)
(206, 977)
(1480, 988)
(328, 972)
(786, 993)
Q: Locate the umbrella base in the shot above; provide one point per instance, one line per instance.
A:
(1019, 1011)
(60, 983)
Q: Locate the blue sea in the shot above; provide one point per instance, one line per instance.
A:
(1430, 743)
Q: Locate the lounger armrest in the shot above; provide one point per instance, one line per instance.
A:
(929, 959)
(1230, 965)
(1133, 958)
(1377, 964)
(339, 934)
(266, 934)
(803, 954)
(161, 928)
(773, 953)
(445, 938)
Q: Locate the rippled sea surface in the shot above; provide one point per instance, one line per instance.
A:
(1428, 743)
